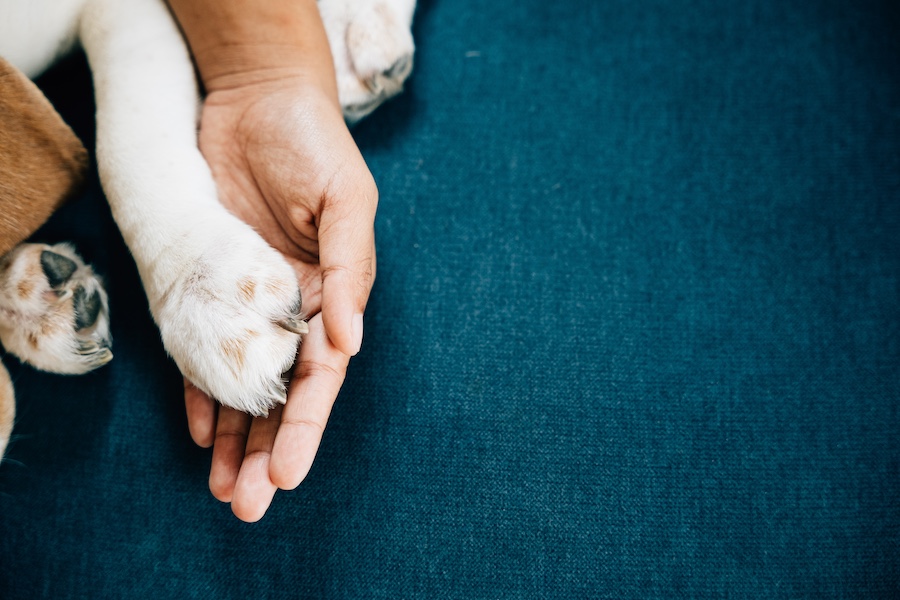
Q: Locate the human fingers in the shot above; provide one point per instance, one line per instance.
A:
(318, 376)
(347, 257)
(253, 490)
(228, 452)
(201, 415)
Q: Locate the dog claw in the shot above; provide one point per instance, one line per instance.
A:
(97, 355)
(102, 357)
(294, 325)
(88, 348)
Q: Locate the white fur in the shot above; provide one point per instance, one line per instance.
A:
(197, 261)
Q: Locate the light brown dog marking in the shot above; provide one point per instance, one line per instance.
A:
(247, 289)
(236, 350)
(25, 288)
(41, 160)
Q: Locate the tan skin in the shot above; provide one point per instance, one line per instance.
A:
(273, 134)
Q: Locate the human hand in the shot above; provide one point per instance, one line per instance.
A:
(285, 163)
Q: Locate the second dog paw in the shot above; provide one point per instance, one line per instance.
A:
(53, 309)
(373, 51)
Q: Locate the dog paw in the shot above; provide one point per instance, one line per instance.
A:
(54, 311)
(373, 51)
(230, 317)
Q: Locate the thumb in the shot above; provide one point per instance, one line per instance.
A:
(347, 256)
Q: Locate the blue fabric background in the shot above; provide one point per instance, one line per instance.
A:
(635, 334)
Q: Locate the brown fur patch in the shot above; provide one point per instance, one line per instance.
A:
(25, 288)
(33, 340)
(41, 160)
(236, 350)
(247, 289)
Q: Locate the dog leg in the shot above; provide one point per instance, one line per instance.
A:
(216, 289)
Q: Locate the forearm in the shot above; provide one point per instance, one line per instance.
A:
(241, 42)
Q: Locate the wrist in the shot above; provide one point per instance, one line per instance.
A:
(272, 91)
(265, 66)
(236, 43)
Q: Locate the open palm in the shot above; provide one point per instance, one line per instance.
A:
(285, 163)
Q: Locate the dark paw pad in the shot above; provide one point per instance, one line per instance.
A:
(87, 307)
(57, 267)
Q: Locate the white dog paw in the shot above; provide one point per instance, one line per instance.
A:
(373, 50)
(231, 318)
(54, 311)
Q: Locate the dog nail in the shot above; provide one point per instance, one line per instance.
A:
(88, 348)
(294, 325)
(102, 357)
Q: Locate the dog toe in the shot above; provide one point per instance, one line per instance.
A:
(57, 268)
(87, 307)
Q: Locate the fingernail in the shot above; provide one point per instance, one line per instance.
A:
(356, 332)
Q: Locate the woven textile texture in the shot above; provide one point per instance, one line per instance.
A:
(635, 334)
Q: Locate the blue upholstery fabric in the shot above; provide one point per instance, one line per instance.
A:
(635, 334)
